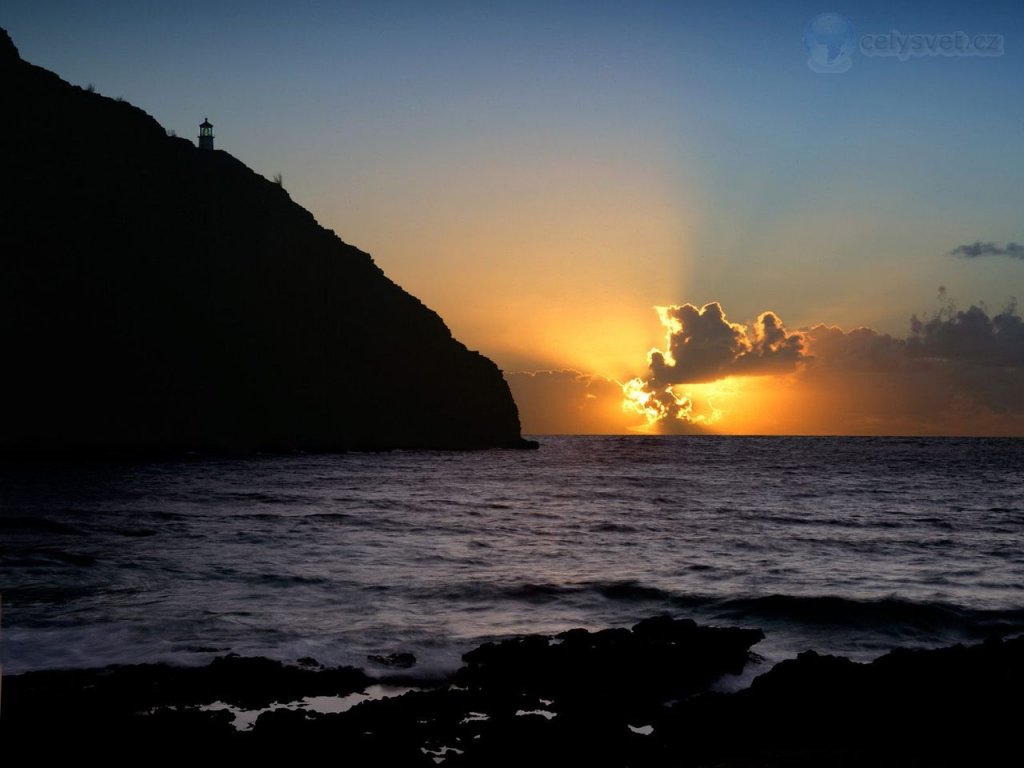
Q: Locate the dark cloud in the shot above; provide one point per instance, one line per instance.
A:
(962, 337)
(704, 346)
(970, 336)
(858, 349)
(978, 248)
(957, 372)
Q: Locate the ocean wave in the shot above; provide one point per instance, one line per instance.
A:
(632, 591)
(886, 615)
(892, 613)
(419, 545)
(539, 592)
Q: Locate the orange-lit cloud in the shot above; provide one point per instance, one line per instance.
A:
(702, 345)
(955, 373)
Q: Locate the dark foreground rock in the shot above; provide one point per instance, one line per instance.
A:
(613, 698)
(159, 297)
(955, 706)
(103, 711)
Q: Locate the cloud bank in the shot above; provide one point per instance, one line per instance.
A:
(970, 337)
(568, 402)
(956, 372)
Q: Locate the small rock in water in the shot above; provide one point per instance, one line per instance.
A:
(394, 660)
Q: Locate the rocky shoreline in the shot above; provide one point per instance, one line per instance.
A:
(622, 697)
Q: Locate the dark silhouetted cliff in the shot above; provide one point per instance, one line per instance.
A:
(157, 296)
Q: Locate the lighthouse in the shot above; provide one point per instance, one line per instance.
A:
(206, 134)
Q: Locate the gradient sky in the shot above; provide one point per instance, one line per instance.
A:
(544, 174)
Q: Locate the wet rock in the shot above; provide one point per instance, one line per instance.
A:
(950, 706)
(80, 698)
(660, 657)
(394, 660)
(624, 697)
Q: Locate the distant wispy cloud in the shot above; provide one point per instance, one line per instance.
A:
(978, 248)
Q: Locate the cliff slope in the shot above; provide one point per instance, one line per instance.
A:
(154, 296)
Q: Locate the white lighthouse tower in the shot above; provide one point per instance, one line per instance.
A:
(206, 134)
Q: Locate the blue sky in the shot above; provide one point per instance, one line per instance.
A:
(543, 173)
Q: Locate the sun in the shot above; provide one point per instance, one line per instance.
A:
(655, 406)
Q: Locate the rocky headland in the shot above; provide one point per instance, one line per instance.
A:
(155, 296)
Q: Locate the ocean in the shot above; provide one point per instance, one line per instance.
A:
(850, 546)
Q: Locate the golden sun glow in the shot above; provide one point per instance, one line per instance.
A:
(637, 398)
(700, 405)
(763, 379)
